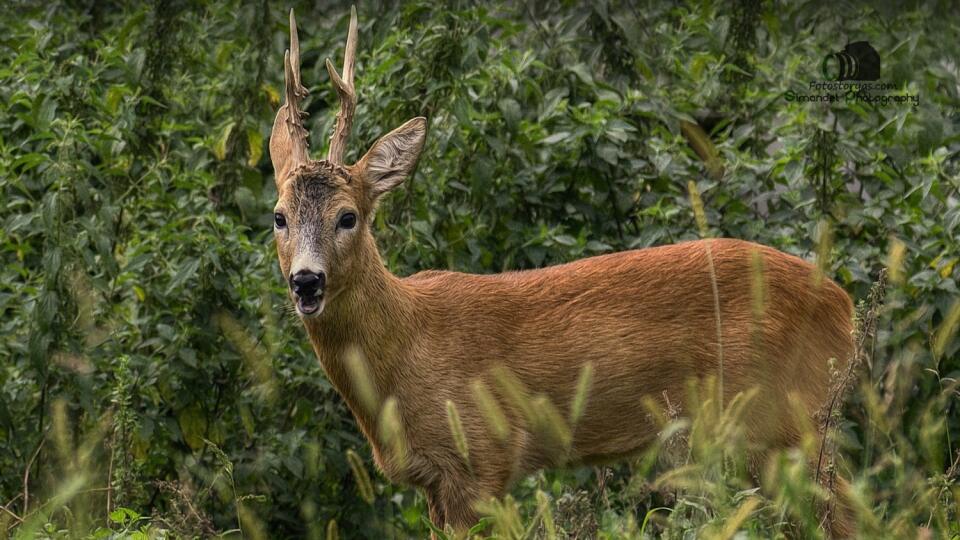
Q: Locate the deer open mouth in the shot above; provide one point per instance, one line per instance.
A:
(310, 305)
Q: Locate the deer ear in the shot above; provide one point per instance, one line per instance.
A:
(391, 159)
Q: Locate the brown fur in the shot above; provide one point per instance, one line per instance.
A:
(646, 320)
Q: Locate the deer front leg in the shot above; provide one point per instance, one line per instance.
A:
(452, 495)
(435, 510)
(450, 502)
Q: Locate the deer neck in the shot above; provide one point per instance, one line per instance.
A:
(368, 320)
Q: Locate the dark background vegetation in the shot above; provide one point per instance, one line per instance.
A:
(149, 362)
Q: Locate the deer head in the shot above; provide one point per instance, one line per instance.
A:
(325, 207)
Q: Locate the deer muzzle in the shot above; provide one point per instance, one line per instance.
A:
(308, 287)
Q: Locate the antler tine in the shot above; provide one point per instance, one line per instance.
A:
(295, 50)
(294, 93)
(347, 93)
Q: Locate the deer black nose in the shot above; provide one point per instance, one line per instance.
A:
(306, 284)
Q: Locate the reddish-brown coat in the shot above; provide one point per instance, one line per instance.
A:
(646, 319)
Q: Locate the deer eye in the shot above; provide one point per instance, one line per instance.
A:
(280, 221)
(347, 221)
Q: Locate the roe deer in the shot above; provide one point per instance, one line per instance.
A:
(451, 357)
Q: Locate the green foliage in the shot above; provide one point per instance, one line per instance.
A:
(148, 358)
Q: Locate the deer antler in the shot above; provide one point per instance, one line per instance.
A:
(288, 141)
(347, 93)
(295, 92)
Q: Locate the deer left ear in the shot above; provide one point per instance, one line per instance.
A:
(392, 158)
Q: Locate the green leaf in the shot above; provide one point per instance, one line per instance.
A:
(556, 137)
(254, 147)
(193, 426)
(186, 271)
(565, 240)
(220, 147)
(510, 110)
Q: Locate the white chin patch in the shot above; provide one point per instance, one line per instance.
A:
(310, 307)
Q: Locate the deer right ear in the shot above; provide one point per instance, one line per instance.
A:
(392, 158)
